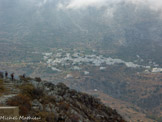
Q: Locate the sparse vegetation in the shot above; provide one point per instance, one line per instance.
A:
(46, 117)
(30, 91)
(38, 79)
(154, 117)
(2, 89)
(60, 103)
(23, 102)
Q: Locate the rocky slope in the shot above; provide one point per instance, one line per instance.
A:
(58, 103)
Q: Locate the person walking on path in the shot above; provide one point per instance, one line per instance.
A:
(23, 75)
(6, 74)
(12, 76)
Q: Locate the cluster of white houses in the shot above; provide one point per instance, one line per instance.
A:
(76, 59)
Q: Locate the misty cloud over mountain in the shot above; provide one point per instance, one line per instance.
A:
(123, 25)
(80, 4)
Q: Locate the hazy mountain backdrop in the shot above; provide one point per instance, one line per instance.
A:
(128, 26)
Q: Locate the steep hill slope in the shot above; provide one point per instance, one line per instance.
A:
(58, 103)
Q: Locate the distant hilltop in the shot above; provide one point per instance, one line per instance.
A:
(53, 103)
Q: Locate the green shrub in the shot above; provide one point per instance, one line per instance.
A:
(32, 92)
(26, 79)
(64, 106)
(23, 102)
(27, 89)
(38, 79)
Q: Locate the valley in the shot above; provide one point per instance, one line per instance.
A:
(130, 87)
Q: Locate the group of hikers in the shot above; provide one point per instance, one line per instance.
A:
(11, 75)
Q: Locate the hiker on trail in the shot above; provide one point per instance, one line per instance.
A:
(6, 74)
(12, 76)
(23, 75)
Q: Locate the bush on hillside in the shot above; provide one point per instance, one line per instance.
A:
(2, 89)
(30, 91)
(38, 79)
(22, 101)
(26, 79)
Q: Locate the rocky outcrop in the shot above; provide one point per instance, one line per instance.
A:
(72, 106)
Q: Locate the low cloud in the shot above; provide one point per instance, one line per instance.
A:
(155, 4)
(41, 3)
(83, 4)
(76, 4)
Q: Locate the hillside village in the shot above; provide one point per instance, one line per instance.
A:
(60, 59)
